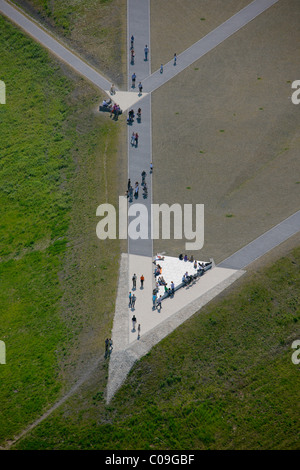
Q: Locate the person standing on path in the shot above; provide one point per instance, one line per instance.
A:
(112, 89)
(172, 288)
(142, 281)
(154, 301)
(161, 68)
(134, 281)
(140, 88)
(159, 303)
(133, 299)
(110, 345)
(131, 41)
(132, 56)
(106, 346)
(130, 299)
(175, 59)
(132, 140)
(133, 322)
(146, 51)
(133, 78)
(136, 138)
(151, 168)
(136, 190)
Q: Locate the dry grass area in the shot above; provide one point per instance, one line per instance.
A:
(225, 130)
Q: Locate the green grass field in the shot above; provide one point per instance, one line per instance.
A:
(57, 283)
(223, 380)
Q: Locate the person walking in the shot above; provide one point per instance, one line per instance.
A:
(130, 299)
(139, 331)
(159, 303)
(142, 281)
(132, 56)
(136, 138)
(133, 78)
(154, 301)
(106, 346)
(136, 190)
(161, 68)
(133, 322)
(130, 193)
(132, 140)
(151, 167)
(110, 345)
(172, 288)
(112, 89)
(128, 184)
(146, 51)
(175, 59)
(132, 41)
(133, 299)
(134, 281)
(140, 88)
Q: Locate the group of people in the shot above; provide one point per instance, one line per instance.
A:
(135, 191)
(131, 116)
(157, 270)
(197, 265)
(170, 291)
(107, 103)
(134, 139)
(130, 191)
(187, 278)
(146, 50)
(132, 300)
(134, 278)
(186, 258)
(161, 281)
(115, 110)
(157, 301)
(108, 346)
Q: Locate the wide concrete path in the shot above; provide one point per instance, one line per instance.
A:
(266, 242)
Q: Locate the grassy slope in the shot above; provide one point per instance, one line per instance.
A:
(223, 380)
(57, 283)
(93, 29)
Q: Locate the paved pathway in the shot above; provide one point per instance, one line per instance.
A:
(139, 158)
(259, 247)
